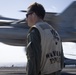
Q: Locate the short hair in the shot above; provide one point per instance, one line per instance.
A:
(38, 9)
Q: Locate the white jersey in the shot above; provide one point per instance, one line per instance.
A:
(51, 48)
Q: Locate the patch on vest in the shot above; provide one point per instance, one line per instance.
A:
(55, 35)
(44, 26)
(54, 56)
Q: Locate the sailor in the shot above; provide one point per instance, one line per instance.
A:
(44, 46)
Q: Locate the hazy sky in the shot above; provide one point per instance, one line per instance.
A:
(11, 8)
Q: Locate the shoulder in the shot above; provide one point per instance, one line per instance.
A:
(34, 33)
(34, 30)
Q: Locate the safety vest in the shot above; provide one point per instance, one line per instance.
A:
(51, 48)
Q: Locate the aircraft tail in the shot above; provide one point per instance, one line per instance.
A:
(68, 16)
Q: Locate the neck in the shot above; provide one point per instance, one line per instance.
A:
(39, 20)
(36, 20)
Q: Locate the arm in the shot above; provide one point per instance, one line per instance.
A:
(33, 52)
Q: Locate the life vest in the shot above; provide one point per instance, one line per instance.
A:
(51, 48)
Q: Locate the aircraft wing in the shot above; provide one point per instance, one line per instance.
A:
(13, 35)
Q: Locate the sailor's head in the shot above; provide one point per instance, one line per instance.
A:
(35, 12)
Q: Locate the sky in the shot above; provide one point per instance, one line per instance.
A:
(11, 9)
